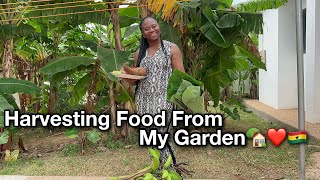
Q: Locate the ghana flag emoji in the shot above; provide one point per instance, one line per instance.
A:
(297, 137)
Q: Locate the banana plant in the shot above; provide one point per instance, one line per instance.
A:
(97, 77)
(212, 31)
(9, 86)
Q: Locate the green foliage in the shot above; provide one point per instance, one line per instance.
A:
(168, 162)
(210, 30)
(79, 90)
(128, 16)
(250, 133)
(11, 86)
(4, 137)
(66, 63)
(155, 158)
(176, 79)
(216, 73)
(259, 5)
(194, 99)
(254, 60)
(123, 96)
(71, 150)
(8, 31)
(154, 170)
(170, 33)
(229, 21)
(4, 105)
(103, 102)
(264, 145)
(111, 143)
(234, 113)
(188, 92)
(93, 136)
(112, 60)
(131, 39)
(71, 133)
(84, 39)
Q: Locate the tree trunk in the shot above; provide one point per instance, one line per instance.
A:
(113, 109)
(116, 25)
(117, 37)
(7, 61)
(143, 10)
(52, 102)
(91, 100)
(253, 86)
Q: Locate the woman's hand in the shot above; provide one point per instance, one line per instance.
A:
(140, 71)
(130, 81)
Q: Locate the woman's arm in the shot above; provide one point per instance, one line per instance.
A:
(176, 61)
(129, 70)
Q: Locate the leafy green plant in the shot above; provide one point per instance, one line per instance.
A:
(9, 86)
(92, 135)
(154, 170)
(71, 150)
(111, 143)
(188, 93)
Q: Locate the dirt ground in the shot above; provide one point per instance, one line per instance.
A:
(313, 170)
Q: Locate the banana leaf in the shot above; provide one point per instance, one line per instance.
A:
(210, 30)
(11, 86)
(4, 105)
(112, 60)
(66, 63)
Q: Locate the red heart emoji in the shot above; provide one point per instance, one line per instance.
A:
(276, 137)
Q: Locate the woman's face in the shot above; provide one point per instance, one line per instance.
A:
(150, 29)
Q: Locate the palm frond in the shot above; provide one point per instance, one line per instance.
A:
(259, 5)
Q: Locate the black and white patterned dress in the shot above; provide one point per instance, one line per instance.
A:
(152, 91)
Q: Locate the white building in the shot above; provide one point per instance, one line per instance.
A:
(278, 85)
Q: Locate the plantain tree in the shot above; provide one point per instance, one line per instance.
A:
(9, 86)
(215, 39)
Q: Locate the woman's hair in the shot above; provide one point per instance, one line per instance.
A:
(144, 43)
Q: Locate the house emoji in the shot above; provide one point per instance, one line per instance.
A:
(258, 140)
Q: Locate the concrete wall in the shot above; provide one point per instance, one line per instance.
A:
(312, 62)
(287, 62)
(278, 85)
(268, 80)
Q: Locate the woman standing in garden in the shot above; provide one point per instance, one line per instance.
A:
(156, 59)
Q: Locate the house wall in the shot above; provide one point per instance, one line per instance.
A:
(287, 57)
(312, 62)
(278, 85)
(268, 80)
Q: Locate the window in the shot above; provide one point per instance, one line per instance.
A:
(261, 141)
